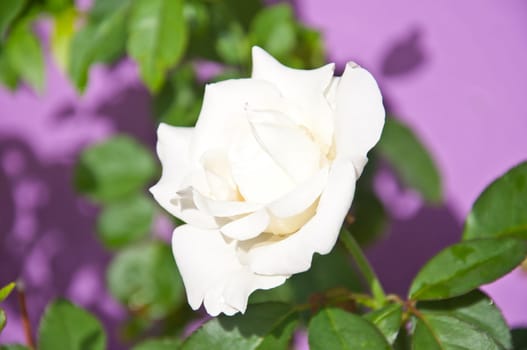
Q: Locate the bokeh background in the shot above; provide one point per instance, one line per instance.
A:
(453, 70)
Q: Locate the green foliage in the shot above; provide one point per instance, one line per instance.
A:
(179, 101)
(388, 319)
(24, 54)
(337, 329)
(145, 279)
(8, 75)
(13, 347)
(370, 219)
(102, 39)
(158, 36)
(467, 265)
(473, 310)
(114, 169)
(410, 160)
(126, 221)
(158, 344)
(6, 290)
(3, 320)
(265, 326)
(9, 10)
(65, 326)
(501, 210)
(63, 31)
(519, 338)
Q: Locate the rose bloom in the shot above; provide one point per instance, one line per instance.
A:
(266, 177)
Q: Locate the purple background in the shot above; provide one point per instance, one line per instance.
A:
(454, 70)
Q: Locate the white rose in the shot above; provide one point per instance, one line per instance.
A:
(266, 177)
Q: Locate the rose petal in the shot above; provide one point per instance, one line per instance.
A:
(173, 149)
(247, 227)
(301, 197)
(290, 147)
(223, 115)
(294, 254)
(299, 86)
(359, 115)
(212, 272)
(331, 92)
(223, 209)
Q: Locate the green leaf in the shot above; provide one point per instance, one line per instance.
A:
(25, 55)
(145, 279)
(158, 37)
(158, 344)
(519, 338)
(65, 326)
(337, 329)
(233, 46)
(464, 266)
(267, 326)
(102, 39)
(300, 287)
(3, 320)
(126, 221)
(388, 319)
(274, 29)
(114, 169)
(474, 309)
(309, 49)
(370, 219)
(9, 10)
(501, 210)
(6, 290)
(13, 347)
(56, 6)
(8, 75)
(410, 160)
(63, 31)
(179, 101)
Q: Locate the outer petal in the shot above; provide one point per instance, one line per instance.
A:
(359, 115)
(304, 88)
(247, 227)
(173, 151)
(212, 273)
(294, 253)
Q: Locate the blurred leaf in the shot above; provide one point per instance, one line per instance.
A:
(65, 326)
(388, 319)
(274, 30)
(158, 36)
(9, 9)
(114, 169)
(158, 344)
(6, 290)
(475, 310)
(244, 11)
(56, 6)
(337, 329)
(369, 217)
(25, 55)
(299, 287)
(464, 266)
(519, 338)
(63, 31)
(145, 279)
(126, 221)
(8, 74)
(232, 45)
(310, 48)
(13, 347)
(2, 320)
(410, 160)
(264, 326)
(501, 210)
(179, 101)
(102, 39)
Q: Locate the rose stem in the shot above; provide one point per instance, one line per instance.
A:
(25, 316)
(364, 266)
